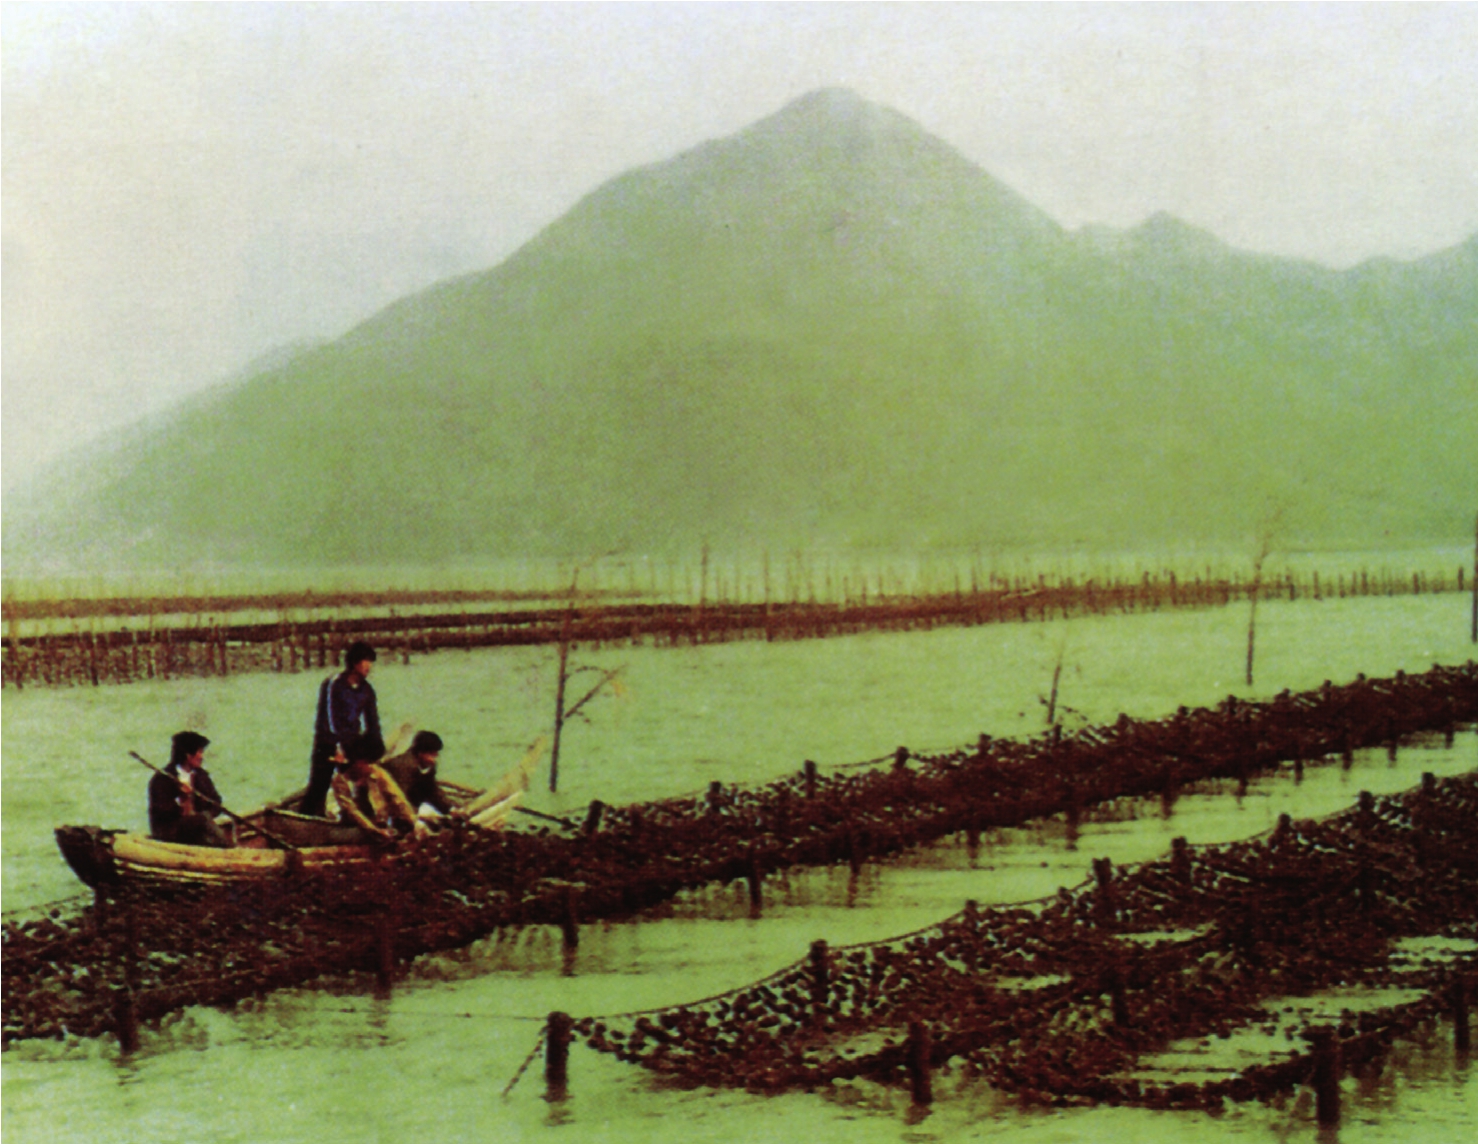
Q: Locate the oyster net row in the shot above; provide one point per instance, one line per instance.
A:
(1062, 999)
(68, 972)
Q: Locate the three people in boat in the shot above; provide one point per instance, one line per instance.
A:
(347, 711)
(368, 797)
(183, 800)
(383, 799)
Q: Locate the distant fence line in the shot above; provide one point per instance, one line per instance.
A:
(209, 646)
(84, 607)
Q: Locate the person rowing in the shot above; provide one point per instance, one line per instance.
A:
(183, 801)
(367, 796)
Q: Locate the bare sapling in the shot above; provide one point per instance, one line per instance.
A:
(563, 714)
(1264, 546)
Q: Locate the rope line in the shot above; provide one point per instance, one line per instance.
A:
(528, 1060)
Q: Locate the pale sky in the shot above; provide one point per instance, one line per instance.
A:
(187, 187)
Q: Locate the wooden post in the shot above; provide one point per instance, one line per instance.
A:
(1462, 1037)
(569, 924)
(1180, 860)
(810, 775)
(592, 818)
(384, 951)
(919, 1047)
(820, 977)
(1103, 871)
(756, 878)
(1074, 812)
(715, 796)
(1326, 1075)
(126, 1020)
(557, 1036)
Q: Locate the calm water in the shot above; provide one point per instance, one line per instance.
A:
(432, 1062)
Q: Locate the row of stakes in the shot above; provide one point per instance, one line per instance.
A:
(558, 1029)
(1324, 1074)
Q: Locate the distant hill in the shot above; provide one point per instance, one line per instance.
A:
(829, 328)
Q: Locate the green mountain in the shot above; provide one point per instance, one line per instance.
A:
(829, 328)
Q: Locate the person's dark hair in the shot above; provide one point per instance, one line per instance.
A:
(427, 742)
(185, 744)
(357, 652)
(367, 747)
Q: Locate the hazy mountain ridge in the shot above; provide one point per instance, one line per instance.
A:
(831, 327)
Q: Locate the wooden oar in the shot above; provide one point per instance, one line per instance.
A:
(514, 781)
(232, 815)
(565, 822)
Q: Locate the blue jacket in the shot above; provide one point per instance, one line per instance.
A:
(344, 713)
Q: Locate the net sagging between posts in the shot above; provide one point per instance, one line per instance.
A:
(64, 971)
(1059, 999)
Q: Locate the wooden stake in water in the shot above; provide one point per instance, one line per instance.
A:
(558, 1034)
(919, 1051)
(1326, 1075)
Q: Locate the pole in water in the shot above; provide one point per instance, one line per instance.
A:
(1462, 1036)
(820, 976)
(919, 1048)
(1326, 1075)
(854, 852)
(1180, 860)
(126, 1021)
(810, 777)
(384, 952)
(557, 1056)
(1103, 871)
(592, 819)
(569, 924)
(756, 878)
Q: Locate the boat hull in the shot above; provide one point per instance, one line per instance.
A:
(101, 857)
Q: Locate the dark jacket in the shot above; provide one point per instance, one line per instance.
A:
(344, 713)
(419, 786)
(164, 801)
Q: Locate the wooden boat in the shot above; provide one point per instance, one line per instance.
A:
(275, 841)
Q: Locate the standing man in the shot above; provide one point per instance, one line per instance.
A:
(347, 710)
(183, 801)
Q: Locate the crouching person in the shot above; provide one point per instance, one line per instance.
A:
(183, 801)
(415, 773)
(368, 797)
